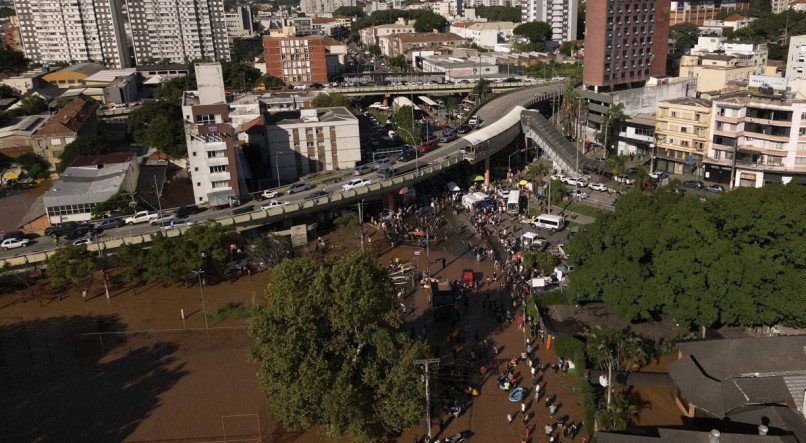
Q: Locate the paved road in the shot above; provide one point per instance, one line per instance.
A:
(489, 113)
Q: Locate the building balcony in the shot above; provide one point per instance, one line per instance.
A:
(727, 119)
(758, 165)
(764, 121)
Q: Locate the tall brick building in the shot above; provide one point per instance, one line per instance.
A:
(296, 59)
(626, 42)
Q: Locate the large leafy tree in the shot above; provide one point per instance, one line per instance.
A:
(332, 350)
(172, 90)
(330, 100)
(83, 145)
(116, 205)
(70, 266)
(158, 123)
(12, 62)
(202, 247)
(734, 260)
(685, 36)
(240, 76)
(269, 249)
(499, 13)
(430, 22)
(534, 31)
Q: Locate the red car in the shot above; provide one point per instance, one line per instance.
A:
(469, 279)
(427, 146)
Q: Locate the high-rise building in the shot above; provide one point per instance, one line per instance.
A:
(72, 31)
(796, 59)
(218, 169)
(239, 22)
(313, 7)
(296, 59)
(561, 15)
(626, 42)
(186, 31)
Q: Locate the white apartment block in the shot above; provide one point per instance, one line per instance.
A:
(756, 140)
(372, 35)
(313, 7)
(311, 140)
(72, 31)
(178, 31)
(796, 59)
(239, 22)
(485, 34)
(779, 6)
(561, 15)
(758, 52)
(475, 3)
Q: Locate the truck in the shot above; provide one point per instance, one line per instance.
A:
(141, 217)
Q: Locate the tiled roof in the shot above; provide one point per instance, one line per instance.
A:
(70, 118)
(734, 18)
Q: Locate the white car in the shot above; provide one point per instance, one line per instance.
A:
(355, 183)
(559, 177)
(162, 219)
(579, 195)
(576, 181)
(268, 193)
(379, 106)
(274, 204)
(141, 217)
(298, 187)
(82, 241)
(598, 187)
(181, 222)
(13, 243)
(624, 178)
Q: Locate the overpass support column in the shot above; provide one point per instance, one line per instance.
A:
(388, 201)
(487, 171)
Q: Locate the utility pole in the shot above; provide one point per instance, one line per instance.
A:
(428, 251)
(361, 222)
(425, 364)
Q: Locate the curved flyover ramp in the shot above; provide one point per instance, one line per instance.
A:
(558, 148)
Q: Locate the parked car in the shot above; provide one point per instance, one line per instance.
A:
(82, 241)
(12, 234)
(380, 106)
(474, 121)
(598, 187)
(181, 222)
(578, 194)
(141, 217)
(186, 211)
(658, 175)
(163, 218)
(269, 194)
(407, 155)
(625, 179)
(575, 181)
(715, 188)
(109, 223)
(78, 231)
(427, 146)
(447, 137)
(317, 194)
(362, 169)
(274, 204)
(463, 129)
(355, 183)
(13, 243)
(298, 187)
(383, 162)
(696, 184)
(61, 229)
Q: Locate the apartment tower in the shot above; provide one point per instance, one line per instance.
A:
(296, 59)
(561, 15)
(626, 42)
(72, 31)
(178, 31)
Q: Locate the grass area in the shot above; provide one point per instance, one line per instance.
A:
(555, 297)
(235, 311)
(582, 209)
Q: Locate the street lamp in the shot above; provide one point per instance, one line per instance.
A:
(509, 159)
(277, 165)
(199, 274)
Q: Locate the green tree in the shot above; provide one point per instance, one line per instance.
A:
(83, 145)
(271, 82)
(334, 332)
(535, 32)
(131, 263)
(12, 62)
(543, 261)
(616, 164)
(203, 246)
(374, 50)
(70, 266)
(614, 118)
(330, 100)
(32, 105)
(482, 89)
(246, 49)
(622, 412)
(349, 11)
(173, 89)
(117, 205)
(430, 22)
(568, 48)
(499, 13)
(685, 36)
(240, 76)
(36, 166)
(398, 62)
(158, 123)
(7, 12)
(402, 118)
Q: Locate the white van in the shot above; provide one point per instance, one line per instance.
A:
(547, 221)
(514, 202)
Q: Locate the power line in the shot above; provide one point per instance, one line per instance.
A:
(425, 363)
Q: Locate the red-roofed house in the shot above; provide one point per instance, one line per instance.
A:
(75, 118)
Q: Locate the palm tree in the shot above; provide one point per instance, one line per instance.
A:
(613, 119)
(632, 352)
(482, 89)
(616, 164)
(603, 353)
(569, 107)
(641, 176)
(618, 415)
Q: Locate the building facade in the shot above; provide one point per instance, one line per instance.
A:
(561, 15)
(714, 72)
(218, 171)
(239, 22)
(73, 31)
(77, 117)
(313, 7)
(625, 43)
(697, 11)
(756, 140)
(682, 133)
(371, 36)
(400, 44)
(796, 58)
(311, 140)
(485, 34)
(186, 31)
(296, 60)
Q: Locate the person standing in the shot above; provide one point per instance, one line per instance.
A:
(509, 418)
(523, 407)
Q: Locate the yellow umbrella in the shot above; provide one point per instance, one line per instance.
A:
(13, 174)
(523, 182)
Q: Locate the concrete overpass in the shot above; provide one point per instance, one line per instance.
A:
(423, 89)
(502, 123)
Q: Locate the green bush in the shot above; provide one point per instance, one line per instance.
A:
(573, 348)
(555, 297)
(346, 220)
(587, 401)
(567, 346)
(235, 311)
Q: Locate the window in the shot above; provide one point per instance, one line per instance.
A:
(198, 184)
(214, 169)
(55, 141)
(683, 129)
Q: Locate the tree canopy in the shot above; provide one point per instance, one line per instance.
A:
(116, 205)
(499, 13)
(734, 260)
(12, 62)
(534, 31)
(158, 124)
(332, 350)
(349, 11)
(82, 145)
(330, 100)
(770, 28)
(429, 22)
(70, 265)
(685, 36)
(240, 76)
(172, 90)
